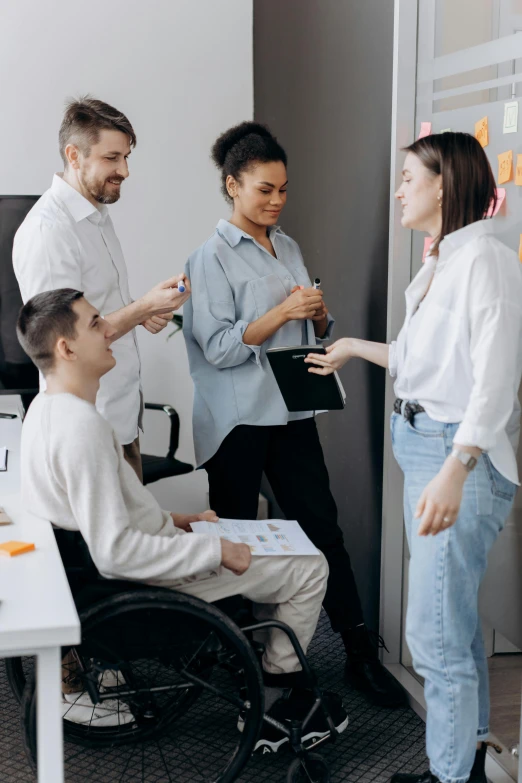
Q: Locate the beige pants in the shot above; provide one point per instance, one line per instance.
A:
(289, 589)
(131, 452)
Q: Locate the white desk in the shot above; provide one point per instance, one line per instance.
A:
(37, 612)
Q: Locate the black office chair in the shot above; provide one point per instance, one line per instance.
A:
(156, 468)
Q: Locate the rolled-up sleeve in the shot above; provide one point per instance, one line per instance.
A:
(495, 333)
(392, 359)
(215, 328)
(329, 331)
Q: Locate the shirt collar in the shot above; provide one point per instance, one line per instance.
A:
(77, 204)
(462, 236)
(233, 235)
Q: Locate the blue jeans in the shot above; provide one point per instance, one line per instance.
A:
(442, 624)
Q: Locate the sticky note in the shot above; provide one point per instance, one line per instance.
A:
(482, 131)
(520, 248)
(425, 130)
(12, 548)
(518, 172)
(505, 167)
(446, 130)
(501, 195)
(428, 241)
(511, 117)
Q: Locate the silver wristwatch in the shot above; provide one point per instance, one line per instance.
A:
(465, 459)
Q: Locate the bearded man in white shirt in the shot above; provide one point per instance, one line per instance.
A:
(68, 240)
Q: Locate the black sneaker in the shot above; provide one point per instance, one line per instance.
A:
(295, 706)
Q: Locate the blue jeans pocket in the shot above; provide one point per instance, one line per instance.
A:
(426, 427)
(501, 487)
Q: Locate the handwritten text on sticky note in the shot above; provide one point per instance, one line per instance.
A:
(482, 131)
(505, 167)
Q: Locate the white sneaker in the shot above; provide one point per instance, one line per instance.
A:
(78, 708)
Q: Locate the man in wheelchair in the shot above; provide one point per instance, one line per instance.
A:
(74, 474)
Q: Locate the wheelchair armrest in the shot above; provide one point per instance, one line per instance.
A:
(174, 425)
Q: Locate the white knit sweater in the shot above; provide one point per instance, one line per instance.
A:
(74, 474)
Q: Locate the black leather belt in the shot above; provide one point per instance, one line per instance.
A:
(410, 409)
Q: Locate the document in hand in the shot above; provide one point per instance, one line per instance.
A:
(302, 390)
(269, 537)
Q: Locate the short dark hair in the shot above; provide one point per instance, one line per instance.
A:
(468, 184)
(83, 120)
(241, 147)
(42, 320)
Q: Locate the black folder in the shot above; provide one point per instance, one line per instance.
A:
(303, 390)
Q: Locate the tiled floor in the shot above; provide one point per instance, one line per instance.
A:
(377, 743)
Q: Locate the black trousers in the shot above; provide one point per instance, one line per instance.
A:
(292, 459)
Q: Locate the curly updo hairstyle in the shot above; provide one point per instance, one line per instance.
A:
(241, 148)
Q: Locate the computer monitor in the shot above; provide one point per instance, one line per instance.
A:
(18, 375)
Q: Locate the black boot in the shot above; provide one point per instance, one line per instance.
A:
(402, 777)
(364, 671)
(478, 772)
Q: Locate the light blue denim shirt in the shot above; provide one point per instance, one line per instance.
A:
(235, 281)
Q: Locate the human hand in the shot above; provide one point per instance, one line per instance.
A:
(336, 355)
(439, 503)
(165, 297)
(302, 303)
(157, 322)
(183, 520)
(235, 557)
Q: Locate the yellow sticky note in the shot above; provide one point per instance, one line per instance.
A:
(518, 173)
(482, 131)
(505, 167)
(12, 548)
(520, 248)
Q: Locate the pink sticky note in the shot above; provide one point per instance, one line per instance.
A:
(427, 244)
(425, 129)
(501, 195)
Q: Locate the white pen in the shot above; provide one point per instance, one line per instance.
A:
(317, 283)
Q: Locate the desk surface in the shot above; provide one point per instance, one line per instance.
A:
(36, 605)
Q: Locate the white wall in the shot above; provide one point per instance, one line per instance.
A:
(182, 72)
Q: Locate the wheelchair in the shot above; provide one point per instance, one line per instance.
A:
(173, 673)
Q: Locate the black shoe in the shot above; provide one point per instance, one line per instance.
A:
(364, 671)
(478, 772)
(295, 706)
(402, 777)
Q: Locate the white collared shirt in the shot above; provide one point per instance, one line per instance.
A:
(66, 242)
(459, 353)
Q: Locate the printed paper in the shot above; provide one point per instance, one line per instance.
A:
(268, 537)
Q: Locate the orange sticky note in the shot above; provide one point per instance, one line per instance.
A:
(520, 248)
(518, 172)
(425, 130)
(482, 131)
(505, 167)
(12, 548)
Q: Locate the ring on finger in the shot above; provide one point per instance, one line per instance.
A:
(446, 519)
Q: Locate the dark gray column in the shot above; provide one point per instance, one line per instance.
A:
(322, 82)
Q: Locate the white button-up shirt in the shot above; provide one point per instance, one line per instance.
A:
(459, 353)
(66, 242)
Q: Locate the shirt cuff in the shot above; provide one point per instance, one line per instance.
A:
(392, 360)
(469, 434)
(237, 332)
(329, 330)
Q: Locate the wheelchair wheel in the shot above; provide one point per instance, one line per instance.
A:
(152, 657)
(17, 670)
(310, 769)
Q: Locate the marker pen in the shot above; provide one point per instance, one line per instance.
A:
(181, 287)
(317, 283)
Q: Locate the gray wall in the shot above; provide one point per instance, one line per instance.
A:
(322, 82)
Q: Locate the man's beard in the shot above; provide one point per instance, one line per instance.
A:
(100, 193)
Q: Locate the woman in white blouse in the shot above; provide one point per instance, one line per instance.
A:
(457, 364)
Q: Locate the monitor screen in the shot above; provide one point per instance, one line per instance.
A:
(17, 372)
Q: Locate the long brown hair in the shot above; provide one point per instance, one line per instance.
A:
(468, 184)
